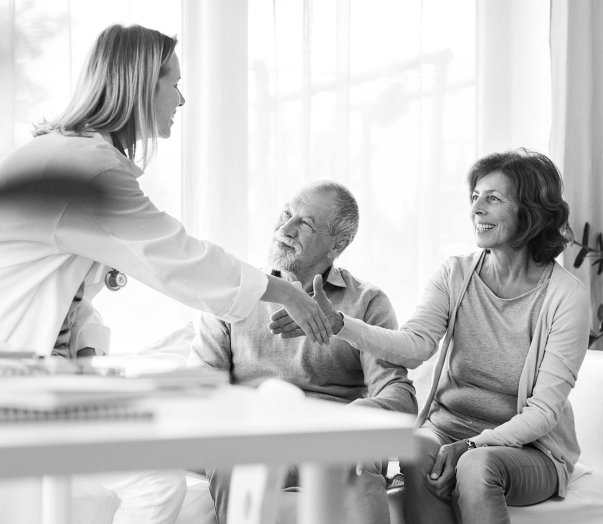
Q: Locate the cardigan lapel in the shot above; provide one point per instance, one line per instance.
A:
(455, 301)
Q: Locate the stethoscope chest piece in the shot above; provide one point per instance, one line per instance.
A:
(115, 280)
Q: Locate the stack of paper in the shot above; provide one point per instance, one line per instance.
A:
(95, 388)
(71, 397)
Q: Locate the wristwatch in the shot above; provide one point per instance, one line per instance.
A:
(470, 444)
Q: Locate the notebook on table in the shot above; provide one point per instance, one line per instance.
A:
(94, 388)
(38, 398)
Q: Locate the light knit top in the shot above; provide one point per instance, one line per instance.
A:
(478, 390)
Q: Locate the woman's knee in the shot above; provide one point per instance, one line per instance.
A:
(477, 471)
(428, 449)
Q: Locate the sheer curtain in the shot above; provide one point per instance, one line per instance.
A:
(577, 133)
(394, 99)
(381, 97)
(513, 70)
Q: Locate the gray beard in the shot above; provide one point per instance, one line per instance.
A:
(282, 260)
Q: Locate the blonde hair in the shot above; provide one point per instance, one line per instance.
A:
(116, 89)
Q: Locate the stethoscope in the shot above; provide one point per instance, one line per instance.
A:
(115, 280)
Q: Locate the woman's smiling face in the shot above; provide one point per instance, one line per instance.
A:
(494, 211)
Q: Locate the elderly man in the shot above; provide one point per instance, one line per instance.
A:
(313, 229)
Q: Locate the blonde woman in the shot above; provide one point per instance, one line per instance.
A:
(73, 218)
(126, 98)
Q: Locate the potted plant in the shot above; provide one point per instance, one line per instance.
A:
(596, 255)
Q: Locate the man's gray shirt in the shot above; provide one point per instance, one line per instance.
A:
(339, 372)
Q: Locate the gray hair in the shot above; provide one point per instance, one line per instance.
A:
(346, 214)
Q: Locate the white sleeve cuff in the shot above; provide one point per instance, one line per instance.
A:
(252, 287)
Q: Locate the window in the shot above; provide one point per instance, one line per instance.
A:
(381, 95)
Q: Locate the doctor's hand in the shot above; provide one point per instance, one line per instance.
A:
(442, 479)
(283, 324)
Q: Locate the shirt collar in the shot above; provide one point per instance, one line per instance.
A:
(131, 165)
(332, 276)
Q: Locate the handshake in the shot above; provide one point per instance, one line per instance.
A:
(282, 324)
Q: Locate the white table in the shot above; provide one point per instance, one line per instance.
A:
(233, 425)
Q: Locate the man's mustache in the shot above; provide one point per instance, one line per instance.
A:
(287, 243)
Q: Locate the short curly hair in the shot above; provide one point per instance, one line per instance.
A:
(543, 214)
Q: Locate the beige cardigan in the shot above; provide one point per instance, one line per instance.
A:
(544, 415)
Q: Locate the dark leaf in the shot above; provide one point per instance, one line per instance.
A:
(585, 234)
(600, 242)
(581, 256)
(600, 312)
(597, 262)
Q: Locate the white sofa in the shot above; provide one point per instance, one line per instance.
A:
(584, 503)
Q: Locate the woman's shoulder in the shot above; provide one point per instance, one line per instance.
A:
(464, 260)
(81, 155)
(454, 273)
(564, 284)
(91, 150)
(461, 264)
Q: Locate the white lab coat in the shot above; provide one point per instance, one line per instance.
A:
(84, 213)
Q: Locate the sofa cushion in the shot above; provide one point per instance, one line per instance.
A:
(584, 501)
(587, 403)
(583, 504)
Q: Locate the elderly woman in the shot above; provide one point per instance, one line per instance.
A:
(497, 427)
(73, 218)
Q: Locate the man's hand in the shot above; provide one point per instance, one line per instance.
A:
(308, 319)
(283, 324)
(301, 309)
(442, 479)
